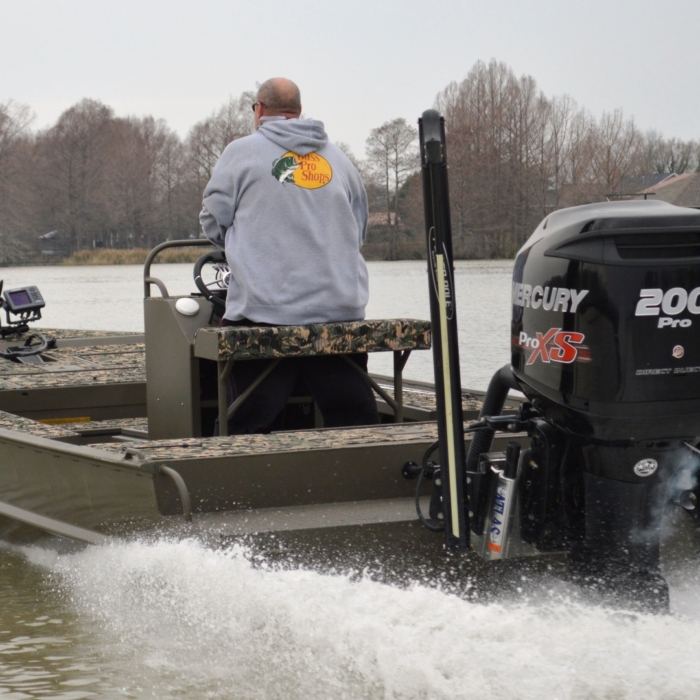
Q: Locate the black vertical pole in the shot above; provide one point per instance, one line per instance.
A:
(443, 315)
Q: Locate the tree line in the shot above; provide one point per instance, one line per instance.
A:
(95, 179)
(516, 155)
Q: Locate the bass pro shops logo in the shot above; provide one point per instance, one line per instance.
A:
(555, 345)
(308, 172)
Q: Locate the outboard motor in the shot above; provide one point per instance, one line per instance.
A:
(605, 345)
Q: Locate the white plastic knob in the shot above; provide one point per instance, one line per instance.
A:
(187, 306)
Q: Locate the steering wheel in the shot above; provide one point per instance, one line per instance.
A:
(214, 290)
(29, 347)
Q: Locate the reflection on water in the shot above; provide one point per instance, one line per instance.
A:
(40, 638)
(176, 620)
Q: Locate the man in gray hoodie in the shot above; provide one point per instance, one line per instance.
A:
(290, 211)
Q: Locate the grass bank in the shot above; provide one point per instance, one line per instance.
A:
(136, 256)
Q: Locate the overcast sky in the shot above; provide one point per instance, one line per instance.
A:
(358, 63)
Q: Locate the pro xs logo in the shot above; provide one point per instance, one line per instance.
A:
(654, 302)
(555, 345)
(310, 172)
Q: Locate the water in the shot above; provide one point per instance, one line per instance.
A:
(110, 297)
(176, 620)
(171, 620)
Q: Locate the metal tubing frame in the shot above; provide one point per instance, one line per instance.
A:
(396, 403)
(225, 411)
(224, 372)
(184, 243)
(400, 360)
(56, 527)
(181, 489)
(154, 280)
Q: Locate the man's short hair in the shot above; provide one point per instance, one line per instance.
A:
(280, 95)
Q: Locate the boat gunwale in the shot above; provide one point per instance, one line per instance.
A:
(126, 460)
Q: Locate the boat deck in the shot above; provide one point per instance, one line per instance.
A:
(288, 441)
(82, 413)
(100, 358)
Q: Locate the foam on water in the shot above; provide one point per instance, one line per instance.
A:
(192, 622)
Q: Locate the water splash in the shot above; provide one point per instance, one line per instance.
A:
(190, 621)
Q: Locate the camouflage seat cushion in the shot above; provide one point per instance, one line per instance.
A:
(263, 342)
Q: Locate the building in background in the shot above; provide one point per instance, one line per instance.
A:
(681, 190)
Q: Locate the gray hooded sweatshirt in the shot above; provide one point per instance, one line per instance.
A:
(290, 211)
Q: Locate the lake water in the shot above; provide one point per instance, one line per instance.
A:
(110, 297)
(176, 620)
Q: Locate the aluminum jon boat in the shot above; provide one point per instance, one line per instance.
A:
(109, 435)
(106, 436)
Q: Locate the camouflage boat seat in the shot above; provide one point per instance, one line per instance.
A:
(233, 344)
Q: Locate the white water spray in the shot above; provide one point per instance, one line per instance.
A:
(189, 621)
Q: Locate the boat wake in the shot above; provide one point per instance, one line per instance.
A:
(188, 621)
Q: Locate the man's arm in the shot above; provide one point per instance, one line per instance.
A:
(212, 230)
(219, 201)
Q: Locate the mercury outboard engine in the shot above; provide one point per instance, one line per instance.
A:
(605, 345)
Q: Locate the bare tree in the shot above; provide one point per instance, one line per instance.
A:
(515, 155)
(392, 154)
(181, 210)
(141, 180)
(71, 163)
(15, 153)
(496, 131)
(615, 150)
(360, 165)
(14, 124)
(207, 139)
(669, 155)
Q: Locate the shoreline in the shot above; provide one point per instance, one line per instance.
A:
(137, 256)
(112, 256)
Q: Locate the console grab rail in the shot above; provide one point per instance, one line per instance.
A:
(148, 280)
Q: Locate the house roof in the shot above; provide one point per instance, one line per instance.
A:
(637, 182)
(681, 190)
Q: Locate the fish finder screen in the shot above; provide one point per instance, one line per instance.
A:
(25, 301)
(19, 298)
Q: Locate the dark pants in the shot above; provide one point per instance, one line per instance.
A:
(341, 393)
